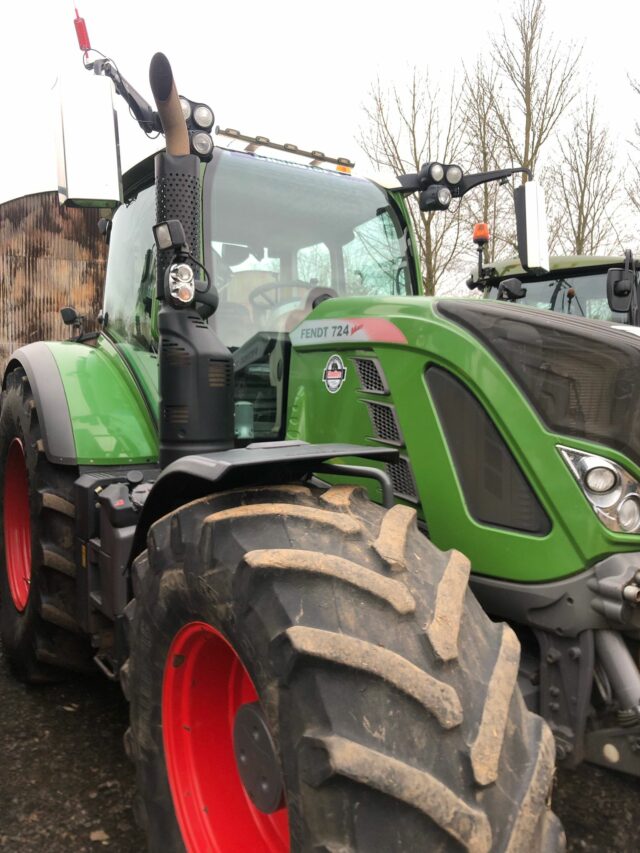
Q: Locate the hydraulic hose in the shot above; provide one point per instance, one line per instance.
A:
(166, 97)
(620, 667)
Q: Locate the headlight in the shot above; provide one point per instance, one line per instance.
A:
(186, 108)
(600, 479)
(613, 493)
(202, 143)
(444, 196)
(181, 283)
(203, 116)
(629, 514)
(437, 172)
(454, 175)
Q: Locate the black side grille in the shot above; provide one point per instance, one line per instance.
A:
(176, 355)
(177, 415)
(494, 487)
(219, 373)
(385, 424)
(371, 376)
(404, 485)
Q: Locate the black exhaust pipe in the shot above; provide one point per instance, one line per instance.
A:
(196, 369)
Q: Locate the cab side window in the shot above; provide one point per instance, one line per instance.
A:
(131, 272)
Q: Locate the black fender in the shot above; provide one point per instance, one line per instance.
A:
(47, 388)
(195, 476)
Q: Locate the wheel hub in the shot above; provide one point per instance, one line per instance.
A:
(221, 762)
(256, 759)
(17, 525)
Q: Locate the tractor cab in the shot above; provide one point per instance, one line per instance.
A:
(278, 239)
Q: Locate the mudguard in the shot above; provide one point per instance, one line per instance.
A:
(197, 475)
(90, 409)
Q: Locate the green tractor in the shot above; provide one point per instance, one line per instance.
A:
(305, 669)
(234, 496)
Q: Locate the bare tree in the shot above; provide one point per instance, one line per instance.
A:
(491, 203)
(587, 183)
(405, 128)
(633, 180)
(536, 79)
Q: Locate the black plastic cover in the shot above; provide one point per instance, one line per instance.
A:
(494, 487)
(196, 387)
(582, 376)
(262, 463)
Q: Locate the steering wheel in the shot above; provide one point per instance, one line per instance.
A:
(262, 293)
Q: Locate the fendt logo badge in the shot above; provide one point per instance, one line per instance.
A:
(334, 374)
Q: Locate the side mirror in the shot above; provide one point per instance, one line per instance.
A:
(233, 254)
(69, 315)
(87, 142)
(531, 224)
(619, 289)
(511, 289)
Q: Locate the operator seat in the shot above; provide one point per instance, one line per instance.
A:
(314, 297)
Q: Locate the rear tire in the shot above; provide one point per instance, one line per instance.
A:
(40, 635)
(390, 696)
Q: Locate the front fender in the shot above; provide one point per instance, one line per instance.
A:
(91, 411)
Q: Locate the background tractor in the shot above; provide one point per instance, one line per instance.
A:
(591, 286)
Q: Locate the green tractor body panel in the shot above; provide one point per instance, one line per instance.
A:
(576, 539)
(111, 421)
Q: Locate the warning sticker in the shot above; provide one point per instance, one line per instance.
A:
(334, 374)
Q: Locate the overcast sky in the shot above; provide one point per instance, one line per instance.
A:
(294, 71)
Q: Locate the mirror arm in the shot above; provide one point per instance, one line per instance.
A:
(410, 183)
(468, 182)
(144, 114)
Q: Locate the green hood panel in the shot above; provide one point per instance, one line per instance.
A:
(111, 422)
(576, 540)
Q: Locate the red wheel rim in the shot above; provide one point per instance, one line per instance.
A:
(17, 525)
(204, 685)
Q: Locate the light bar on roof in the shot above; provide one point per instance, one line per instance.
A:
(255, 142)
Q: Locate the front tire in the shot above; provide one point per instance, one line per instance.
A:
(390, 697)
(40, 635)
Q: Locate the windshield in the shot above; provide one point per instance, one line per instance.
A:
(570, 293)
(281, 236)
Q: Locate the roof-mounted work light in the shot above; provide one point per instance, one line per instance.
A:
(435, 197)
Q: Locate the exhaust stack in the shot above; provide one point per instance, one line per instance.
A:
(196, 369)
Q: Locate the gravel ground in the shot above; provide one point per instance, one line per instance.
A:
(66, 785)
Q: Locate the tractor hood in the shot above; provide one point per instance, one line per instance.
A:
(477, 397)
(581, 376)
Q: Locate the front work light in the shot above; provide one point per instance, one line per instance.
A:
(446, 174)
(453, 175)
(203, 116)
(435, 172)
(186, 108)
(181, 283)
(435, 197)
(202, 144)
(169, 235)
